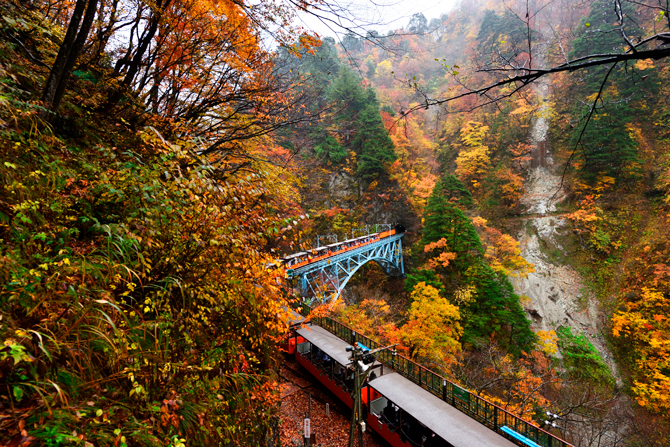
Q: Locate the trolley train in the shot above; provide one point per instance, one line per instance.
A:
(297, 260)
(399, 410)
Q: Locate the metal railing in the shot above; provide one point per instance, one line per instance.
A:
(478, 408)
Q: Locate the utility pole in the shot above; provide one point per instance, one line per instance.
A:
(361, 361)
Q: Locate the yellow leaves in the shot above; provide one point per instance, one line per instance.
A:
(619, 322)
(473, 133)
(548, 341)
(473, 160)
(592, 97)
(656, 395)
(432, 330)
(523, 107)
(464, 294)
(384, 70)
(646, 327)
(644, 64)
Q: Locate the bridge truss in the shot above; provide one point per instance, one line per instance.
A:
(325, 279)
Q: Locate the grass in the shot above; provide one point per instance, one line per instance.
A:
(581, 359)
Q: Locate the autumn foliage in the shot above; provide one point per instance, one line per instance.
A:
(137, 307)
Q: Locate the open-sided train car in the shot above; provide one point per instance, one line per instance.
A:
(403, 413)
(301, 259)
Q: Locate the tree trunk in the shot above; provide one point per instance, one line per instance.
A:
(74, 53)
(134, 64)
(74, 41)
(63, 54)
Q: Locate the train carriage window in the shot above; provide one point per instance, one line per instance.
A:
(377, 407)
(303, 348)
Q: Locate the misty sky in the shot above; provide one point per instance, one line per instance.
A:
(380, 15)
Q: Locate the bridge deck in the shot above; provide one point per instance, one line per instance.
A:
(339, 256)
(455, 427)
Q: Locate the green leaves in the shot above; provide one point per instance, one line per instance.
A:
(14, 350)
(492, 303)
(17, 391)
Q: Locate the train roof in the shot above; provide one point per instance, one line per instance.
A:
(294, 255)
(333, 346)
(293, 316)
(450, 424)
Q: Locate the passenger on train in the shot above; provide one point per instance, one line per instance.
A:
(390, 415)
(349, 381)
(339, 374)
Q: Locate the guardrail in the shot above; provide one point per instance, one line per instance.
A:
(480, 409)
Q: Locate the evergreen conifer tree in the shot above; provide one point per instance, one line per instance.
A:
(372, 142)
(608, 147)
(494, 307)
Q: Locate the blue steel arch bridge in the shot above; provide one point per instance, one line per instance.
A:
(323, 272)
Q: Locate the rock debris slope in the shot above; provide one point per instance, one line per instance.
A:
(556, 294)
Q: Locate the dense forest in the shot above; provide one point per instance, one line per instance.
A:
(158, 157)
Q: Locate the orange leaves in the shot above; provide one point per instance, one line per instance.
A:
(169, 415)
(433, 245)
(510, 185)
(503, 253)
(661, 274)
(369, 316)
(521, 153)
(307, 42)
(415, 164)
(442, 259)
(515, 384)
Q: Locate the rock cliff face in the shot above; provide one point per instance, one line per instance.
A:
(556, 294)
(344, 190)
(333, 191)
